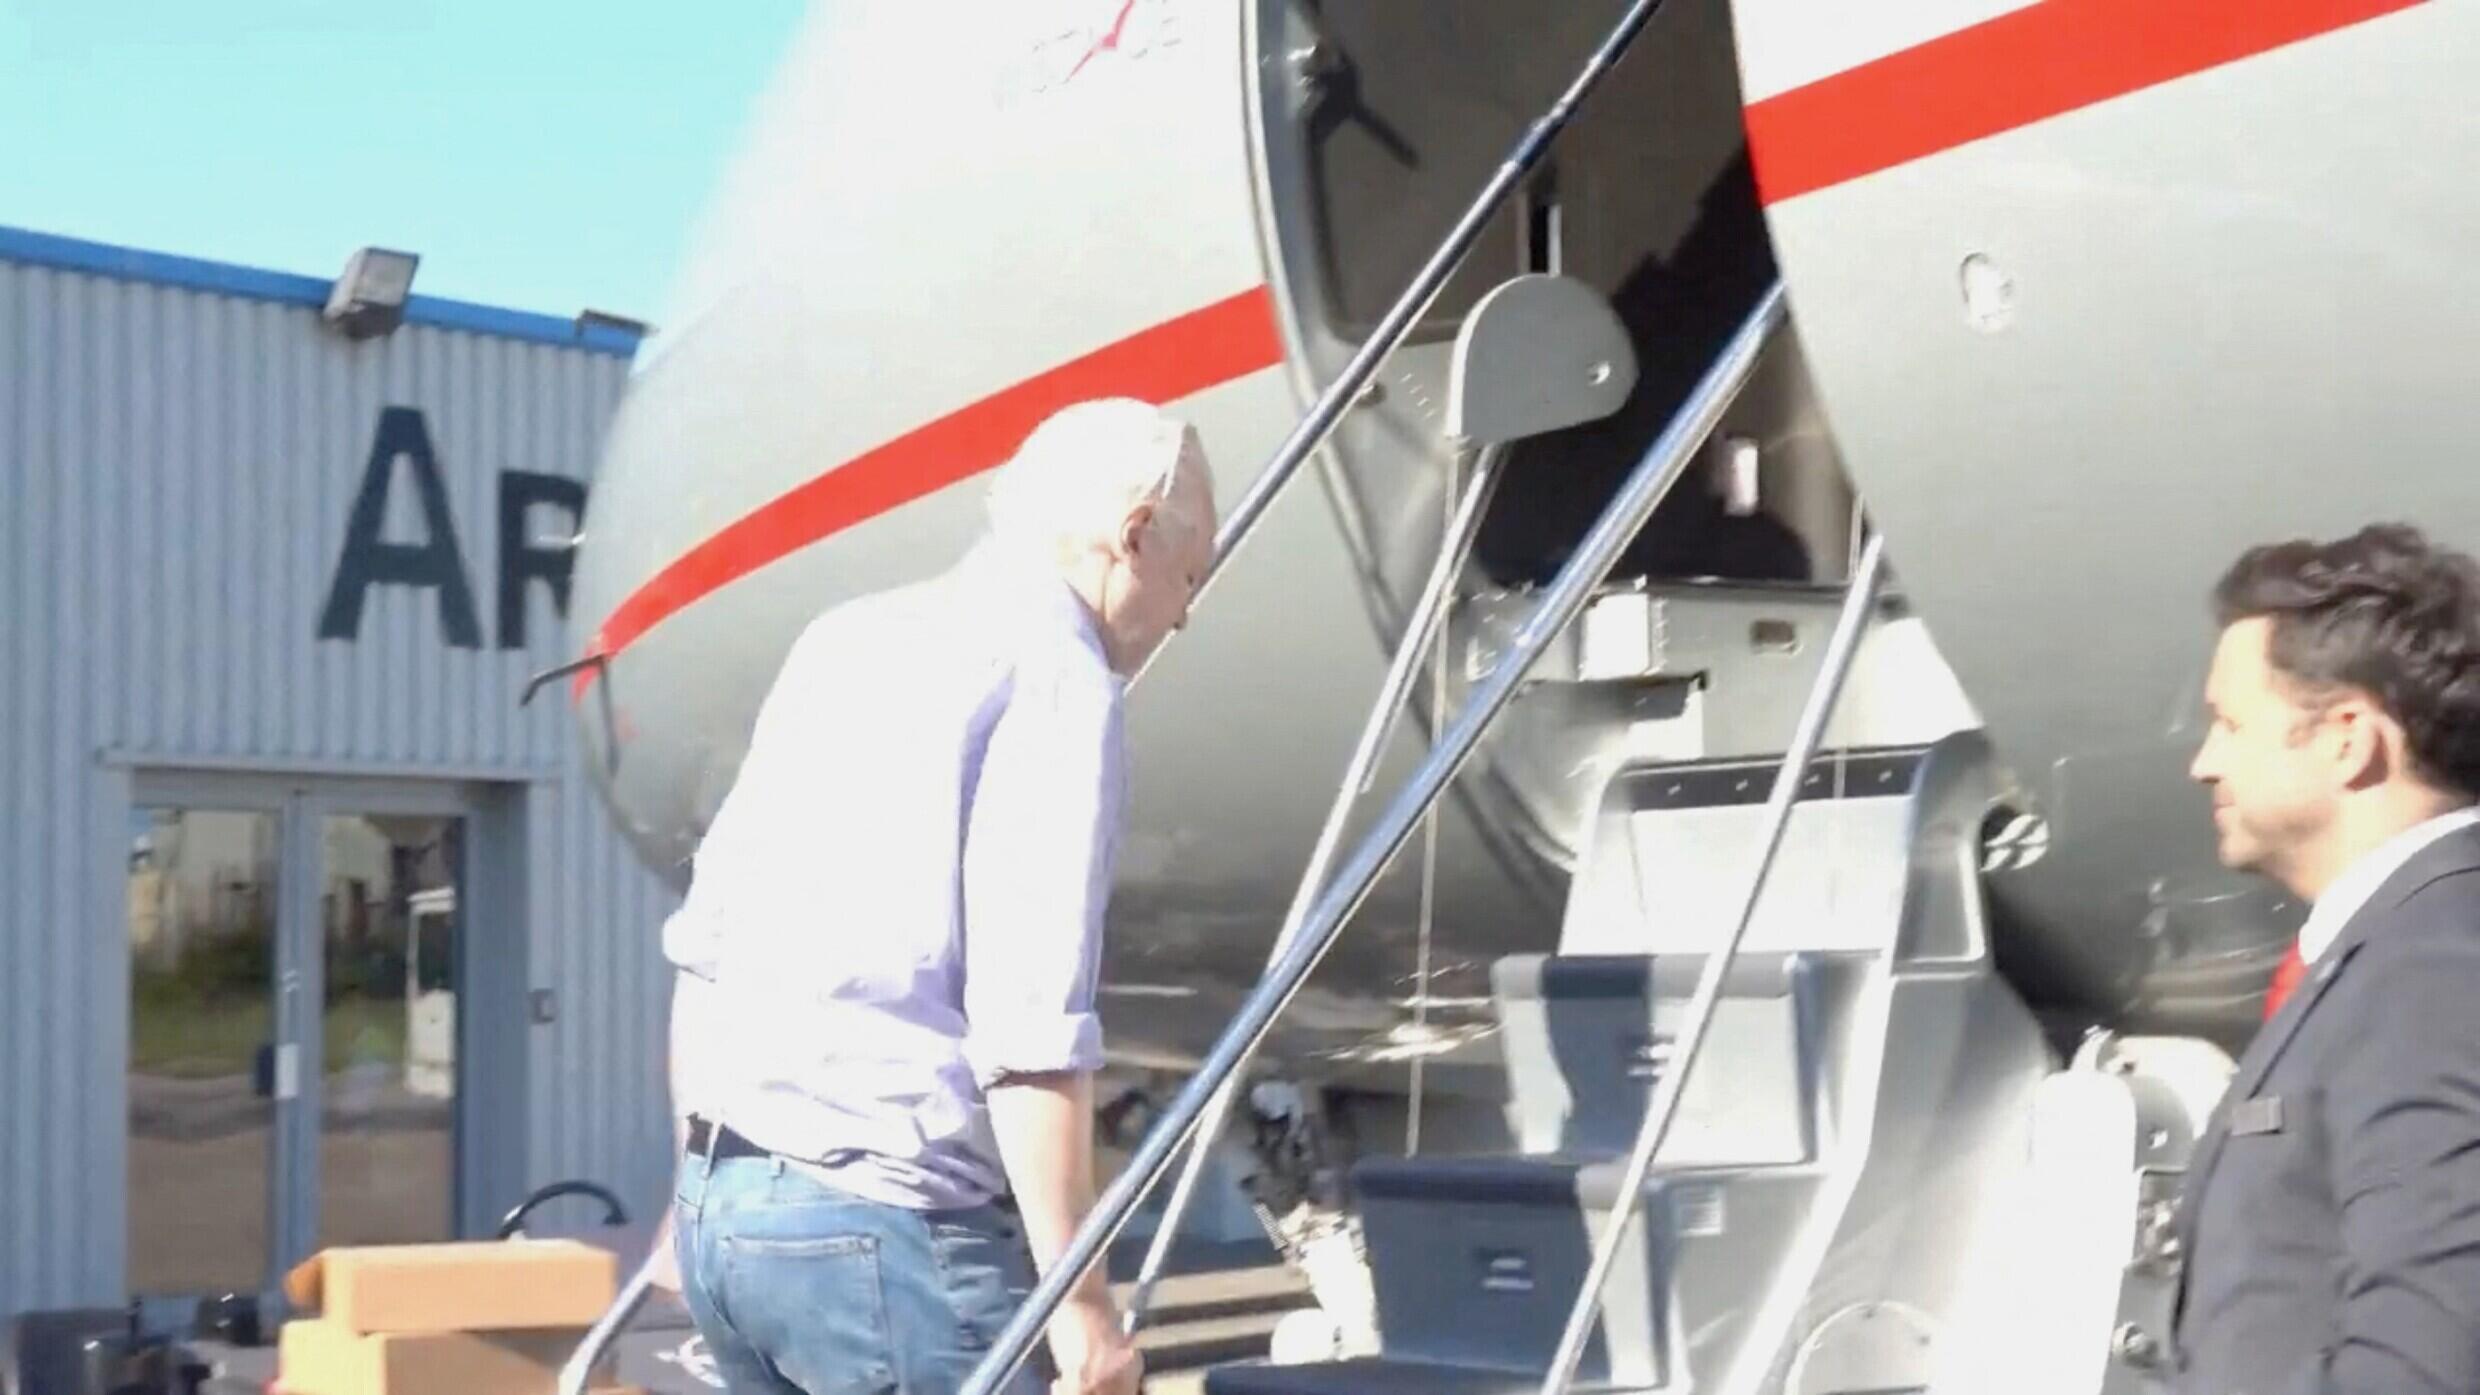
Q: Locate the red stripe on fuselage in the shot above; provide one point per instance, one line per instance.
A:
(2045, 60)
(1202, 349)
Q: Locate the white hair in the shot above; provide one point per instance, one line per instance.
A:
(1080, 472)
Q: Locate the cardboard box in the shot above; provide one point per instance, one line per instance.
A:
(320, 1357)
(478, 1286)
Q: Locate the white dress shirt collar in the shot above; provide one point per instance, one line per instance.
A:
(1016, 579)
(2361, 879)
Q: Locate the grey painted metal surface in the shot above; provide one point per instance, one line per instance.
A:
(2267, 349)
(178, 466)
(1664, 1106)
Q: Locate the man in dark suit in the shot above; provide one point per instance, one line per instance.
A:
(2332, 1212)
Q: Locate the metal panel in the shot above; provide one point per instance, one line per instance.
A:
(179, 457)
(2066, 437)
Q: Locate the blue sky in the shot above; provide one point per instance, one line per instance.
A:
(543, 154)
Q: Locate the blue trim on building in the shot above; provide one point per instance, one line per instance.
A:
(191, 273)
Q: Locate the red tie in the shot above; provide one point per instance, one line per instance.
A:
(2286, 977)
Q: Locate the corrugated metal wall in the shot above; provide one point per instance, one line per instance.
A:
(177, 466)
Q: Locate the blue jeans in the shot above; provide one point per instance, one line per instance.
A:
(801, 1289)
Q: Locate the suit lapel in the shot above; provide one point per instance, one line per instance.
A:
(2267, 1048)
(2456, 850)
(2276, 1035)
(2253, 1067)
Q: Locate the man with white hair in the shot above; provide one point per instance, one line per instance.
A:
(902, 902)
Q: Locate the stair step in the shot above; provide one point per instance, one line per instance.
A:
(1476, 1262)
(1586, 1037)
(1188, 1346)
(1221, 1293)
(1379, 1376)
(1201, 1319)
(1499, 1179)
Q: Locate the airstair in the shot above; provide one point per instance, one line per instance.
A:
(1864, 1079)
(1780, 1124)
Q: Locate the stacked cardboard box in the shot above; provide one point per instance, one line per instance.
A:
(492, 1318)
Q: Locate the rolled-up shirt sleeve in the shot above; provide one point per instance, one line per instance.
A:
(1039, 844)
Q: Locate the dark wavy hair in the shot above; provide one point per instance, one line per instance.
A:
(2384, 611)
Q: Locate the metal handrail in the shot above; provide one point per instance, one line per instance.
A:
(1805, 739)
(1393, 691)
(1313, 429)
(578, 1371)
(1592, 560)
(1307, 435)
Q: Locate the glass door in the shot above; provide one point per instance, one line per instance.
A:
(390, 913)
(296, 966)
(204, 1059)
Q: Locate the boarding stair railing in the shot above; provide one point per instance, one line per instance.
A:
(1565, 598)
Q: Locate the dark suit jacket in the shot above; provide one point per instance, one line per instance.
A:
(2332, 1212)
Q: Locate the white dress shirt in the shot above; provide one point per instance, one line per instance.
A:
(902, 895)
(2360, 880)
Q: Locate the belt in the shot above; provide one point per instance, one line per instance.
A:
(729, 1144)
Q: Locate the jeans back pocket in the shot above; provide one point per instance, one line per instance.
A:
(987, 1274)
(816, 1306)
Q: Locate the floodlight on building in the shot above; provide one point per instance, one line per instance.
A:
(369, 298)
(591, 319)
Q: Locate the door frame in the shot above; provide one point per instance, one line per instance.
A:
(316, 804)
(301, 804)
